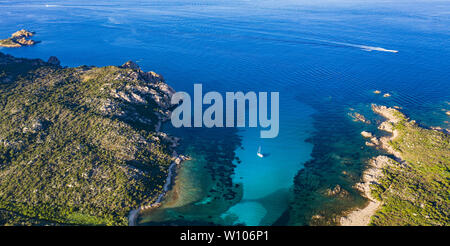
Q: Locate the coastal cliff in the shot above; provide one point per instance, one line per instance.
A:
(80, 145)
(18, 39)
(412, 186)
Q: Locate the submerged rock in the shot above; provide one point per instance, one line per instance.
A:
(359, 117)
(337, 191)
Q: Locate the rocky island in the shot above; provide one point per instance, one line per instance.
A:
(18, 39)
(412, 185)
(80, 145)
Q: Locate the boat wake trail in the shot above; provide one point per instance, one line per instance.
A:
(359, 46)
(314, 41)
(371, 48)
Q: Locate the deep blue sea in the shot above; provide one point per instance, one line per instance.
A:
(324, 58)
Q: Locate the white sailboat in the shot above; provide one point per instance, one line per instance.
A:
(259, 154)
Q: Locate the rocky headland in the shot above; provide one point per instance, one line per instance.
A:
(411, 187)
(81, 145)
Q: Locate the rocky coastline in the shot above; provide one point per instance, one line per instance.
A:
(379, 177)
(162, 116)
(107, 118)
(361, 216)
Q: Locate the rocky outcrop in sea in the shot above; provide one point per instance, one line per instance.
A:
(18, 39)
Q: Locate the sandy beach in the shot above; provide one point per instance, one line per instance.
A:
(361, 217)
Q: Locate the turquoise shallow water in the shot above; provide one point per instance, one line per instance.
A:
(314, 54)
(270, 178)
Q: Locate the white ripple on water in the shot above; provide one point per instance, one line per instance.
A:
(283, 37)
(364, 47)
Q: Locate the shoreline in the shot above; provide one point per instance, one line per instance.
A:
(374, 170)
(361, 216)
(173, 167)
(411, 184)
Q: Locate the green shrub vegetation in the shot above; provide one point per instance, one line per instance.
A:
(417, 190)
(71, 150)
